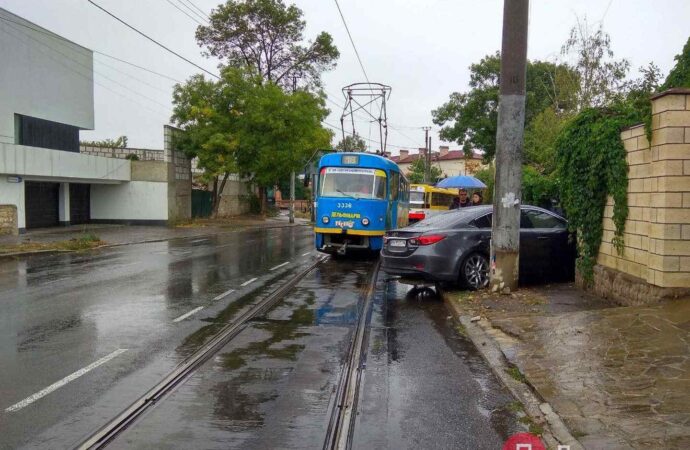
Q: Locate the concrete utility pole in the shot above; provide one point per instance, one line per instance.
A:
(426, 144)
(505, 233)
(291, 215)
(428, 160)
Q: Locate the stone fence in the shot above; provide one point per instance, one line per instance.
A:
(655, 262)
(144, 154)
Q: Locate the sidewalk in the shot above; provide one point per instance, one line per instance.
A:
(619, 377)
(133, 234)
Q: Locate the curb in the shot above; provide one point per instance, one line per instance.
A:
(148, 241)
(555, 431)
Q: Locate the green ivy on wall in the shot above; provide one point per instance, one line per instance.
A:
(591, 164)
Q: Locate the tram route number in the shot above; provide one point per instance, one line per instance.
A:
(345, 205)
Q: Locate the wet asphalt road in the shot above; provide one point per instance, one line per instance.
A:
(271, 387)
(63, 313)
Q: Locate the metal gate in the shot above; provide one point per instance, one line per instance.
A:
(201, 203)
(79, 203)
(41, 204)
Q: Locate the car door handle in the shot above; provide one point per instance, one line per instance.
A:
(542, 237)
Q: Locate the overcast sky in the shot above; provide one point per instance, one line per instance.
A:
(422, 48)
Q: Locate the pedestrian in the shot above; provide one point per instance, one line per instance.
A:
(477, 199)
(461, 201)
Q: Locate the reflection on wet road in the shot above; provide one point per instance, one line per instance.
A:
(84, 335)
(271, 386)
(62, 314)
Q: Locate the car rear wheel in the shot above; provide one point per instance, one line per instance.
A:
(474, 271)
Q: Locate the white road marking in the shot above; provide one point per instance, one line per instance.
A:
(306, 254)
(184, 316)
(29, 400)
(228, 292)
(199, 240)
(248, 282)
(280, 265)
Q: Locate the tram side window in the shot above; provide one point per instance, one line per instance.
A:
(441, 200)
(395, 185)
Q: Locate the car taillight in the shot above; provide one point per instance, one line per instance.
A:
(428, 240)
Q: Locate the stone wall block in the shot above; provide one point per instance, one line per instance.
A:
(674, 102)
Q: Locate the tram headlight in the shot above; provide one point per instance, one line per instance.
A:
(325, 219)
(365, 222)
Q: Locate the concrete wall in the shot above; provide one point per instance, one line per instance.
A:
(144, 154)
(26, 57)
(8, 220)
(180, 179)
(41, 163)
(133, 202)
(657, 232)
(234, 198)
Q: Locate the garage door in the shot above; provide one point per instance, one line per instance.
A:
(41, 204)
(79, 203)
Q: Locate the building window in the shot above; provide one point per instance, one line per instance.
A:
(46, 134)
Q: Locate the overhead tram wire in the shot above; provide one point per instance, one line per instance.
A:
(351, 41)
(61, 41)
(198, 9)
(193, 11)
(90, 75)
(152, 39)
(183, 12)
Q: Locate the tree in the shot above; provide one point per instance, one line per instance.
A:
(206, 111)
(540, 140)
(120, 142)
(470, 118)
(267, 36)
(352, 143)
(600, 77)
(418, 169)
(679, 76)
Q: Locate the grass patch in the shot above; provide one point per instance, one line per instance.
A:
(84, 242)
(514, 406)
(533, 427)
(462, 331)
(515, 374)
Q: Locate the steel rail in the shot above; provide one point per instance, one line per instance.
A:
(184, 370)
(341, 424)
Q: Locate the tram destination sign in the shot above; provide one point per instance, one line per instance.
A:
(350, 160)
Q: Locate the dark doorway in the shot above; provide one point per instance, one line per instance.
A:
(79, 203)
(41, 203)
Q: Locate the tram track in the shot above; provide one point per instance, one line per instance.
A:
(343, 413)
(107, 433)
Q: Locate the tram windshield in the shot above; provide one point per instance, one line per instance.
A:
(353, 183)
(417, 197)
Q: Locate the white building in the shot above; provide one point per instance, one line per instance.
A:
(46, 98)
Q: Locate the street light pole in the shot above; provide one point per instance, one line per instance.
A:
(426, 144)
(505, 233)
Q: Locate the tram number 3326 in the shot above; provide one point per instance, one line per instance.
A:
(344, 205)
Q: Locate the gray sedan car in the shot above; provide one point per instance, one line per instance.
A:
(454, 247)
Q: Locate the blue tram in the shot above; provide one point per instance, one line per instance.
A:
(359, 196)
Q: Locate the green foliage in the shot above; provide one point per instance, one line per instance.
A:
(268, 37)
(418, 169)
(120, 142)
(540, 138)
(679, 76)
(487, 176)
(254, 204)
(132, 157)
(470, 118)
(242, 124)
(538, 189)
(352, 143)
(591, 165)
